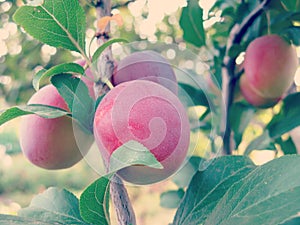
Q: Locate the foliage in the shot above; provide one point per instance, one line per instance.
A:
(224, 190)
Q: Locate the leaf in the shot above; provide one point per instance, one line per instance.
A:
(65, 68)
(17, 220)
(262, 142)
(55, 206)
(287, 146)
(288, 118)
(132, 153)
(94, 202)
(98, 100)
(291, 5)
(59, 23)
(197, 95)
(294, 221)
(207, 188)
(183, 177)
(293, 33)
(37, 78)
(191, 22)
(44, 111)
(104, 46)
(268, 195)
(76, 94)
(171, 199)
(240, 116)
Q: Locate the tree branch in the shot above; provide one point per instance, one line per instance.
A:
(228, 73)
(105, 64)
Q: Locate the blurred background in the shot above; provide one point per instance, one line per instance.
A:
(21, 57)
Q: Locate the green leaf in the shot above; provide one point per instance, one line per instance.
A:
(65, 68)
(17, 220)
(287, 146)
(262, 142)
(104, 46)
(59, 23)
(191, 22)
(268, 195)
(293, 34)
(197, 95)
(98, 100)
(77, 97)
(208, 187)
(94, 202)
(240, 116)
(54, 206)
(171, 199)
(294, 221)
(288, 118)
(44, 111)
(132, 153)
(291, 5)
(183, 177)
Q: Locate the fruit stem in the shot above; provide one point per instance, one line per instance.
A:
(124, 210)
(230, 76)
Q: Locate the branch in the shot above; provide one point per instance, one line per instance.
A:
(230, 78)
(124, 210)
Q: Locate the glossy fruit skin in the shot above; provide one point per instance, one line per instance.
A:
(50, 143)
(270, 65)
(149, 113)
(146, 65)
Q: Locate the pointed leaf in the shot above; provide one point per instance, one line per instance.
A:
(198, 96)
(77, 97)
(191, 22)
(44, 111)
(59, 23)
(94, 202)
(207, 188)
(240, 116)
(104, 46)
(17, 220)
(55, 206)
(171, 199)
(270, 194)
(288, 118)
(65, 68)
(262, 142)
(132, 153)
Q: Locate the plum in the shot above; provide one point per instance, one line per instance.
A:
(148, 65)
(51, 143)
(270, 65)
(150, 114)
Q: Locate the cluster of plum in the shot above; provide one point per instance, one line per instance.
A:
(143, 106)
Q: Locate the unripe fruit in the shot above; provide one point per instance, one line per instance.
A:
(50, 143)
(270, 65)
(146, 65)
(149, 113)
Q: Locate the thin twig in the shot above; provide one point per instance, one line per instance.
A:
(124, 210)
(230, 78)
